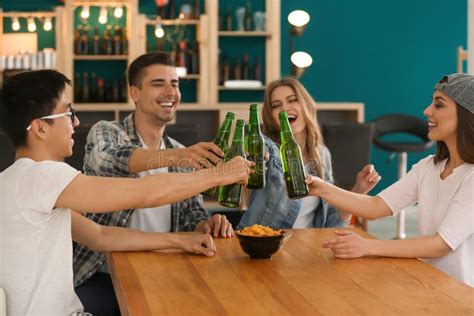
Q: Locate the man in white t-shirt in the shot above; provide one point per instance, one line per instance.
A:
(42, 198)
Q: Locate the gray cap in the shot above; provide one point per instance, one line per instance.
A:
(460, 88)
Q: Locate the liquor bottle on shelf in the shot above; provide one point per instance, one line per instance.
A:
(194, 59)
(228, 19)
(124, 41)
(230, 195)
(196, 10)
(77, 88)
(161, 8)
(123, 91)
(292, 160)
(77, 40)
(94, 93)
(85, 40)
(171, 10)
(245, 67)
(248, 17)
(237, 69)
(173, 52)
(255, 145)
(257, 69)
(96, 42)
(222, 141)
(107, 42)
(220, 72)
(108, 93)
(85, 87)
(181, 54)
(225, 70)
(101, 92)
(115, 90)
(117, 41)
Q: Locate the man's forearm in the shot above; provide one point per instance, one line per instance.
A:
(146, 159)
(422, 247)
(124, 239)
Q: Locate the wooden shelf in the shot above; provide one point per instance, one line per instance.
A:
(223, 88)
(174, 22)
(244, 33)
(191, 77)
(99, 107)
(100, 57)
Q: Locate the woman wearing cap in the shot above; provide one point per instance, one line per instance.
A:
(271, 206)
(442, 184)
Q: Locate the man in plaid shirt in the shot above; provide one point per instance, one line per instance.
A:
(135, 147)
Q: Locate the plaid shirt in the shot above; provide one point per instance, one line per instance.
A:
(108, 150)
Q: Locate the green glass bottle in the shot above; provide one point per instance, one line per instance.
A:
(255, 150)
(229, 195)
(222, 141)
(293, 169)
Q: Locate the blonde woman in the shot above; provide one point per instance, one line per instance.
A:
(271, 205)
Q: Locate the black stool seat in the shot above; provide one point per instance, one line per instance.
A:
(400, 123)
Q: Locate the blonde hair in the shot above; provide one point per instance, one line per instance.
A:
(314, 139)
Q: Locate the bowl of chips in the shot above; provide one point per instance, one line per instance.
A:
(261, 242)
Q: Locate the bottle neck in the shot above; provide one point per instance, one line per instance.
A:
(224, 131)
(286, 134)
(238, 135)
(254, 123)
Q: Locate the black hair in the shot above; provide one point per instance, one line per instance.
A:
(136, 70)
(28, 96)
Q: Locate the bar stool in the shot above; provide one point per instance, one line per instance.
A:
(396, 124)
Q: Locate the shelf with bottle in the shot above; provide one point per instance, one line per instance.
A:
(92, 88)
(100, 57)
(245, 33)
(113, 42)
(172, 22)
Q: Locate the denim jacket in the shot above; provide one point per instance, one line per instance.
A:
(271, 205)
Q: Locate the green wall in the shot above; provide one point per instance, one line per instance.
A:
(387, 54)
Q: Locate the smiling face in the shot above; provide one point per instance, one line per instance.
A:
(284, 99)
(158, 95)
(442, 118)
(59, 140)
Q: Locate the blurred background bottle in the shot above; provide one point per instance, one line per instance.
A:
(255, 146)
(222, 141)
(230, 195)
(291, 158)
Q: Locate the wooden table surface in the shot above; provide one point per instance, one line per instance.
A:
(301, 279)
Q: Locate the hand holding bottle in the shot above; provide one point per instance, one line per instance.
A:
(237, 170)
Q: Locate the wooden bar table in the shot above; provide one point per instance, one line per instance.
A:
(301, 279)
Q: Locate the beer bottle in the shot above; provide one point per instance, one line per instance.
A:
(291, 158)
(229, 195)
(255, 150)
(222, 141)
(96, 42)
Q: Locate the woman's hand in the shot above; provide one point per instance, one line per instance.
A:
(348, 244)
(366, 179)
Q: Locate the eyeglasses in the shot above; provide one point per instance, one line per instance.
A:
(71, 114)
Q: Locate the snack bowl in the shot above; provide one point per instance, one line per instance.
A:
(262, 247)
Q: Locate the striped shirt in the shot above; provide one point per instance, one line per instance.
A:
(108, 150)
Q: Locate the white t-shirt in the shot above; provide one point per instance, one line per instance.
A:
(35, 239)
(308, 207)
(306, 215)
(445, 207)
(153, 219)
